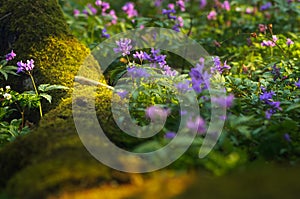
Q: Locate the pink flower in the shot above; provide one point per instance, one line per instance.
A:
(212, 15)
(289, 42)
(10, 56)
(226, 5)
(157, 113)
(262, 28)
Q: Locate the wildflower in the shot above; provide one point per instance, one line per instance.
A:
(139, 55)
(171, 6)
(183, 87)
(105, 6)
(176, 28)
(266, 96)
(92, 9)
(76, 12)
(104, 33)
(158, 3)
(274, 37)
(249, 10)
(275, 72)
(98, 2)
(212, 15)
(7, 96)
(226, 5)
(224, 101)
(123, 46)
(181, 5)
(25, 66)
(7, 87)
(122, 94)
(180, 21)
(137, 72)
(156, 112)
(200, 78)
(197, 125)
(298, 84)
(170, 135)
(203, 3)
(287, 137)
(10, 56)
(129, 9)
(169, 13)
(266, 6)
(218, 65)
(262, 28)
(289, 42)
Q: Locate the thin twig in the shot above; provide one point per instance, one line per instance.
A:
(8, 14)
(90, 82)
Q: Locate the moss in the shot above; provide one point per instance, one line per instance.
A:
(52, 159)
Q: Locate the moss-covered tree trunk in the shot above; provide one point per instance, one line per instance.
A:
(51, 158)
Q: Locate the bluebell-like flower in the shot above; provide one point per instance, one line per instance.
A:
(197, 124)
(183, 87)
(10, 56)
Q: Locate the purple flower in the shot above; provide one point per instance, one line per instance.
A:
(266, 6)
(157, 113)
(169, 13)
(104, 33)
(92, 9)
(181, 5)
(197, 125)
(139, 55)
(298, 84)
(218, 65)
(287, 137)
(269, 113)
(200, 78)
(25, 66)
(122, 94)
(76, 12)
(137, 72)
(203, 3)
(289, 42)
(266, 96)
(10, 56)
(226, 5)
(158, 3)
(104, 6)
(183, 87)
(129, 9)
(123, 46)
(275, 72)
(180, 21)
(224, 101)
(170, 135)
(114, 17)
(98, 3)
(176, 28)
(212, 15)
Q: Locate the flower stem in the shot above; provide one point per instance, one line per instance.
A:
(37, 93)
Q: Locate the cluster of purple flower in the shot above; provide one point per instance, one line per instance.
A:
(200, 79)
(10, 56)
(179, 23)
(128, 8)
(124, 46)
(298, 83)
(218, 66)
(267, 97)
(212, 15)
(104, 6)
(269, 42)
(25, 67)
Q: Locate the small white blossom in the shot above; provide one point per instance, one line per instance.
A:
(7, 87)
(7, 96)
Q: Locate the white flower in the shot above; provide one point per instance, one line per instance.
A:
(7, 96)
(7, 87)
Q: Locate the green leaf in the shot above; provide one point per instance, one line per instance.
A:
(46, 96)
